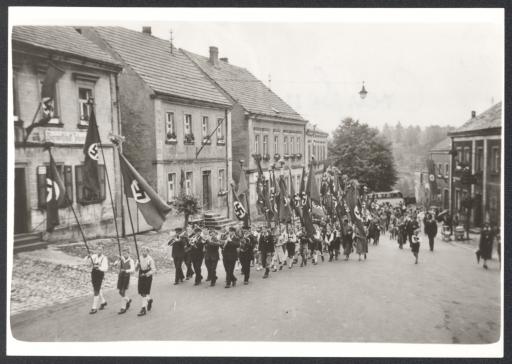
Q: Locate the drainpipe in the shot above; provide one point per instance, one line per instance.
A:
(227, 158)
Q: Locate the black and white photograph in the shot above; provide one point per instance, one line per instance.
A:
(255, 182)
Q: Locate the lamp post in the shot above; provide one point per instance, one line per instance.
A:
(363, 92)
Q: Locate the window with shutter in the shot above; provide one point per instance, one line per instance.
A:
(83, 196)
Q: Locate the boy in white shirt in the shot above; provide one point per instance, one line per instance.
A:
(147, 268)
(99, 267)
(127, 267)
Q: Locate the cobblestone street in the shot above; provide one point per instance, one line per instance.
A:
(446, 298)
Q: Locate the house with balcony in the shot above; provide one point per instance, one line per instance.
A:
(88, 74)
(168, 109)
(476, 168)
(262, 124)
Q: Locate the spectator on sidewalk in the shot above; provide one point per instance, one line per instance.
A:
(431, 230)
(485, 247)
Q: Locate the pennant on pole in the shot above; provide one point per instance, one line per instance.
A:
(92, 153)
(312, 189)
(150, 204)
(55, 194)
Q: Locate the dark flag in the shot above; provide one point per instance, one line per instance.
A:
(284, 202)
(55, 194)
(47, 102)
(262, 203)
(432, 176)
(312, 189)
(242, 184)
(92, 154)
(353, 207)
(308, 222)
(239, 209)
(150, 204)
(294, 196)
(274, 195)
(303, 199)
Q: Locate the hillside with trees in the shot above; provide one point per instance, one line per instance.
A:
(410, 146)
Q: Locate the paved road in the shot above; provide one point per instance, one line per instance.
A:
(446, 298)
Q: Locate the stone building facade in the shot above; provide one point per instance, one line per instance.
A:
(168, 107)
(88, 73)
(476, 167)
(262, 124)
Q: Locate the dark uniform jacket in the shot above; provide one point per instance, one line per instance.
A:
(246, 248)
(266, 244)
(197, 249)
(430, 228)
(212, 249)
(230, 252)
(178, 248)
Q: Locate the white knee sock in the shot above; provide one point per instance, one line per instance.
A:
(102, 299)
(95, 302)
(144, 302)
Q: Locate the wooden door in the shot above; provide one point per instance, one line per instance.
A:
(207, 190)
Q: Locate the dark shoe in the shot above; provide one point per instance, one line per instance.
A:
(128, 303)
(246, 282)
(121, 311)
(477, 256)
(176, 283)
(103, 305)
(234, 283)
(181, 280)
(365, 257)
(485, 266)
(142, 312)
(187, 278)
(227, 285)
(197, 283)
(208, 279)
(281, 267)
(322, 258)
(93, 311)
(212, 282)
(150, 303)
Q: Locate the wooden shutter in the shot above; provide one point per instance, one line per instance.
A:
(79, 180)
(41, 187)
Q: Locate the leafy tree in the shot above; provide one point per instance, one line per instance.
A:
(361, 153)
(187, 205)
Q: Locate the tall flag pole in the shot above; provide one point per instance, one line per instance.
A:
(47, 102)
(56, 193)
(91, 167)
(306, 206)
(262, 191)
(294, 198)
(284, 202)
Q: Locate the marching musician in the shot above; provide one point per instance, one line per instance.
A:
(303, 247)
(178, 253)
(197, 253)
(211, 256)
(188, 258)
(230, 255)
(347, 239)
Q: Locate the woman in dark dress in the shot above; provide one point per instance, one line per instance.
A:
(485, 248)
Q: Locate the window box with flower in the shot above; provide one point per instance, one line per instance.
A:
(171, 138)
(266, 157)
(206, 141)
(298, 155)
(189, 139)
(221, 141)
(287, 156)
(222, 193)
(277, 156)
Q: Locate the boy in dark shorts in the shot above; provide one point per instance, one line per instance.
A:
(127, 267)
(415, 245)
(99, 267)
(147, 268)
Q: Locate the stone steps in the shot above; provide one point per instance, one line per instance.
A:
(28, 241)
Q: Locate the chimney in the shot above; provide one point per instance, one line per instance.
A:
(473, 114)
(224, 59)
(214, 56)
(146, 30)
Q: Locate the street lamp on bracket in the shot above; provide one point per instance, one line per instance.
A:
(363, 92)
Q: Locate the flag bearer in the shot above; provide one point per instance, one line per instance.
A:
(303, 247)
(266, 248)
(147, 268)
(99, 267)
(290, 247)
(197, 254)
(127, 267)
(246, 254)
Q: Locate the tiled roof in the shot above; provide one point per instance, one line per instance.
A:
(443, 145)
(171, 74)
(61, 39)
(489, 119)
(243, 87)
(309, 128)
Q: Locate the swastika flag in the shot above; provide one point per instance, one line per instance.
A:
(150, 204)
(55, 194)
(92, 153)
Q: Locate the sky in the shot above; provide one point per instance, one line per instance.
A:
(420, 67)
(418, 74)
